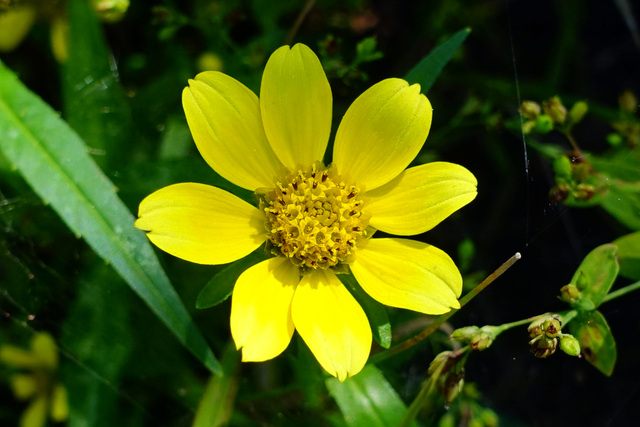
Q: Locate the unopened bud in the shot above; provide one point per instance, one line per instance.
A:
(209, 61)
(581, 172)
(577, 112)
(110, 10)
(569, 293)
(530, 109)
(553, 108)
(615, 139)
(481, 341)
(584, 192)
(570, 345)
(465, 334)
(628, 101)
(528, 126)
(544, 123)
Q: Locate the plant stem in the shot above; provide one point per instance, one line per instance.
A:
(438, 321)
(296, 25)
(622, 291)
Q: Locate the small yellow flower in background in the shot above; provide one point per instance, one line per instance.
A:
(316, 220)
(39, 384)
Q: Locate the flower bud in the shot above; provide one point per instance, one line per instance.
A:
(577, 112)
(110, 10)
(581, 172)
(615, 139)
(529, 109)
(584, 192)
(569, 293)
(481, 341)
(628, 101)
(209, 61)
(465, 334)
(544, 123)
(570, 345)
(553, 108)
(528, 126)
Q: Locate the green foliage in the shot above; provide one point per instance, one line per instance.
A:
(629, 255)
(367, 399)
(596, 340)
(220, 287)
(54, 161)
(595, 276)
(428, 69)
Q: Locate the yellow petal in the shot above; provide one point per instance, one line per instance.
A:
(261, 309)
(296, 105)
(224, 118)
(24, 385)
(408, 274)
(381, 133)
(201, 223)
(59, 403)
(420, 198)
(332, 324)
(44, 347)
(36, 413)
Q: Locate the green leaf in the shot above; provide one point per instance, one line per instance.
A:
(367, 399)
(596, 340)
(377, 315)
(95, 104)
(428, 69)
(220, 287)
(595, 275)
(629, 255)
(217, 403)
(623, 203)
(54, 161)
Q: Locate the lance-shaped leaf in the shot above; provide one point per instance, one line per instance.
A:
(595, 275)
(367, 399)
(428, 69)
(596, 340)
(220, 287)
(54, 161)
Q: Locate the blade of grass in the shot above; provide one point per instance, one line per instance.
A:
(54, 161)
(428, 69)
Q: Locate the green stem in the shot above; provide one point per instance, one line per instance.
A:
(622, 291)
(507, 326)
(438, 321)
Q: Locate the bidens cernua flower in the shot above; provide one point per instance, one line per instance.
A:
(316, 220)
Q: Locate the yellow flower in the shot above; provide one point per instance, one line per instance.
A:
(38, 380)
(317, 221)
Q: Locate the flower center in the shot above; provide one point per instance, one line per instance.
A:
(314, 218)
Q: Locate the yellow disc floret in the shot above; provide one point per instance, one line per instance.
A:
(314, 218)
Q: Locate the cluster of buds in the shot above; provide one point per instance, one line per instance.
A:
(574, 179)
(546, 333)
(447, 370)
(552, 115)
(627, 127)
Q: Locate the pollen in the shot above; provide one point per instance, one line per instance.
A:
(314, 218)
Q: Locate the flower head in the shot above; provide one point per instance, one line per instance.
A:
(316, 220)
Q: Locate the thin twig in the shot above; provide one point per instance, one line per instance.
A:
(296, 25)
(433, 326)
